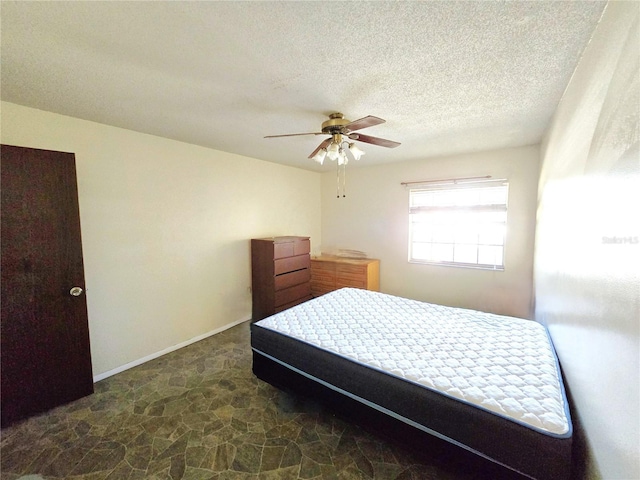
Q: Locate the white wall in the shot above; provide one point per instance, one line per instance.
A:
(374, 218)
(165, 229)
(587, 288)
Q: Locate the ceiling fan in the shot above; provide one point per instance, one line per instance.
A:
(341, 129)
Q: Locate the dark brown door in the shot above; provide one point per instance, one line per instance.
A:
(44, 333)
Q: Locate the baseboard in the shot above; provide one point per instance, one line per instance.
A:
(173, 348)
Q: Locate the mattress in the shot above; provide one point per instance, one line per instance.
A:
(460, 374)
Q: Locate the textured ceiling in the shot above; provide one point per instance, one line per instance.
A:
(449, 77)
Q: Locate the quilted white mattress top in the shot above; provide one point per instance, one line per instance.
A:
(503, 364)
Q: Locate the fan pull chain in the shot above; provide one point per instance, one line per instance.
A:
(344, 181)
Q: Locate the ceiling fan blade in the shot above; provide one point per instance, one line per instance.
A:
(324, 144)
(373, 140)
(294, 134)
(368, 121)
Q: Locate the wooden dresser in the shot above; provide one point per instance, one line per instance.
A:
(330, 273)
(280, 274)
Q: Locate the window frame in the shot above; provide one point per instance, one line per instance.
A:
(452, 226)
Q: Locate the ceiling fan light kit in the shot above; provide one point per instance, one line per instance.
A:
(336, 147)
(336, 151)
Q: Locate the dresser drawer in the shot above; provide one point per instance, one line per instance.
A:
(323, 286)
(282, 250)
(323, 277)
(287, 280)
(317, 290)
(343, 269)
(284, 265)
(302, 247)
(291, 249)
(354, 283)
(292, 294)
(323, 267)
(350, 277)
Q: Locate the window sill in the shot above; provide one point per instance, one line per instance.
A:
(473, 266)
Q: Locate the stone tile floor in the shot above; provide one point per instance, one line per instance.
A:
(199, 413)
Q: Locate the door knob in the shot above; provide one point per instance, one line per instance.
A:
(76, 291)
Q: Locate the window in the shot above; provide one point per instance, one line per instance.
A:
(458, 223)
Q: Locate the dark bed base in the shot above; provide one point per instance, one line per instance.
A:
(424, 446)
(507, 443)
